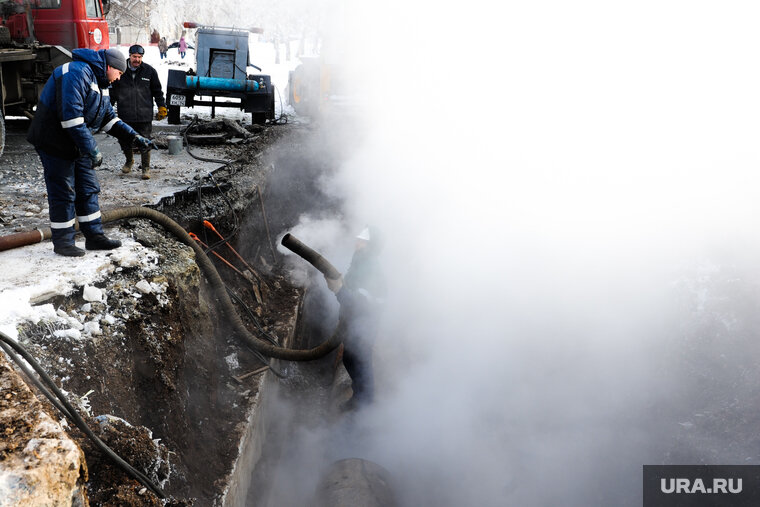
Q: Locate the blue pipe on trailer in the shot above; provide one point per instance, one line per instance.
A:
(221, 84)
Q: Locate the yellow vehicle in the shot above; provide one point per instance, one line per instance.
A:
(317, 87)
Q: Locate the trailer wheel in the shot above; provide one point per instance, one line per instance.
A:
(2, 134)
(173, 118)
(258, 118)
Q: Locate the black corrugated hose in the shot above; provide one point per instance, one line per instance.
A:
(58, 399)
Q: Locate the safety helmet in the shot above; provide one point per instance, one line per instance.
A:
(136, 48)
(364, 234)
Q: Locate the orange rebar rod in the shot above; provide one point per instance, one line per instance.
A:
(204, 245)
(209, 225)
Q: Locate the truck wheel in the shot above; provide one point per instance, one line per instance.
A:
(2, 134)
(173, 115)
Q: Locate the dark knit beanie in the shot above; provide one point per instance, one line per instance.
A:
(115, 59)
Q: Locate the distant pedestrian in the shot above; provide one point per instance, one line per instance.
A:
(133, 96)
(163, 47)
(182, 46)
(72, 106)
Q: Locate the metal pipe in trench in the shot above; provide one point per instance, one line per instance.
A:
(220, 291)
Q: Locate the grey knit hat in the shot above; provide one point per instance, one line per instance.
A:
(116, 59)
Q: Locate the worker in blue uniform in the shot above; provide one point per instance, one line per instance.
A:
(73, 105)
(361, 294)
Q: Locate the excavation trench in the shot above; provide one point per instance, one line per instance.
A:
(176, 371)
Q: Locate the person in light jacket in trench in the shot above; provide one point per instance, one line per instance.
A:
(361, 293)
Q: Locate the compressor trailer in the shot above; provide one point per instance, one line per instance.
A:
(221, 62)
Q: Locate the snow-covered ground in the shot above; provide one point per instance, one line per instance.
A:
(34, 273)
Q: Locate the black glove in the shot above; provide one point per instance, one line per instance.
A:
(144, 144)
(96, 157)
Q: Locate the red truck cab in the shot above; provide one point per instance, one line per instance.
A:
(68, 23)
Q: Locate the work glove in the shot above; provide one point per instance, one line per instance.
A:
(144, 144)
(162, 113)
(96, 157)
(334, 284)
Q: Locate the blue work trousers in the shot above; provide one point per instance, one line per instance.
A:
(73, 189)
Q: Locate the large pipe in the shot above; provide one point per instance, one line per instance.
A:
(221, 84)
(23, 238)
(217, 285)
(311, 256)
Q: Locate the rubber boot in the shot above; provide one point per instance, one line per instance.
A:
(101, 242)
(129, 163)
(68, 250)
(145, 164)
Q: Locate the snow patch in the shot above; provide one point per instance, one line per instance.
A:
(92, 328)
(74, 334)
(33, 274)
(232, 361)
(92, 294)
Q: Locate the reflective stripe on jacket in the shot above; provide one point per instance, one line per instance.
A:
(73, 105)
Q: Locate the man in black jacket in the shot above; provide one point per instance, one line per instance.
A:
(134, 94)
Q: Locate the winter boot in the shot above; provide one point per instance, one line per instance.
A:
(145, 164)
(129, 163)
(101, 242)
(68, 250)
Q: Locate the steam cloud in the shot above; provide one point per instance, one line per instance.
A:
(568, 193)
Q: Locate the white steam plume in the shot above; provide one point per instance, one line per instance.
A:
(547, 175)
